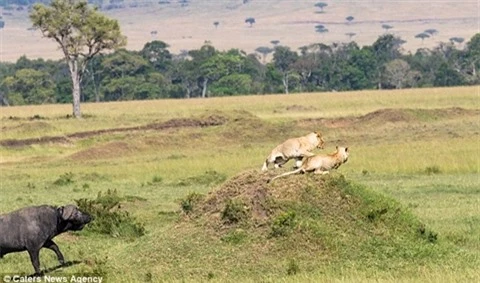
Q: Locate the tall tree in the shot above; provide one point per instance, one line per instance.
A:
(81, 32)
(284, 59)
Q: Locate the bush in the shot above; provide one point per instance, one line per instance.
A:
(234, 211)
(108, 219)
(283, 224)
(187, 204)
(432, 170)
(292, 267)
(64, 179)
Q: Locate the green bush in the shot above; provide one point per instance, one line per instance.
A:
(188, 203)
(108, 219)
(432, 170)
(283, 224)
(64, 179)
(234, 211)
(292, 267)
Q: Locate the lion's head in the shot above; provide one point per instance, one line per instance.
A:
(321, 142)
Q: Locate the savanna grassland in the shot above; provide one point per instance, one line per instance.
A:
(184, 175)
(188, 27)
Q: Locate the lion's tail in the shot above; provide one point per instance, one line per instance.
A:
(265, 164)
(286, 174)
(265, 167)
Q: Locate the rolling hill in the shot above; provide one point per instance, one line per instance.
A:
(186, 27)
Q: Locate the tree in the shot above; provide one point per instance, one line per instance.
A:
(275, 42)
(81, 32)
(398, 73)
(458, 40)
(350, 35)
(264, 50)
(472, 59)
(386, 27)
(2, 24)
(385, 48)
(431, 31)
(422, 36)
(216, 23)
(250, 21)
(29, 86)
(349, 19)
(321, 29)
(156, 52)
(284, 59)
(321, 5)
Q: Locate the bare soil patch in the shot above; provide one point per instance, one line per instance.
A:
(207, 121)
(383, 116)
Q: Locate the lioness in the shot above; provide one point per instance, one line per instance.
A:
(320, 164)
(296, 148)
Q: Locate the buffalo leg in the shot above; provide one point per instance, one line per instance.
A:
(52, 246)
(34, 258)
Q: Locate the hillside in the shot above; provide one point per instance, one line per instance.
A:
(305, 222)
(290, 22)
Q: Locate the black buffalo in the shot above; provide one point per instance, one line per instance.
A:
(32, 228)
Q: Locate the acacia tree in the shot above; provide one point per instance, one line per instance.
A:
(81, 32)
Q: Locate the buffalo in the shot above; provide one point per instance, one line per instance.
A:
(32, 228)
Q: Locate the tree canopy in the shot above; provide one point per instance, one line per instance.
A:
(81, 32)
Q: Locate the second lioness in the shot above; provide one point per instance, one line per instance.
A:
(294, 148)
(320, 164)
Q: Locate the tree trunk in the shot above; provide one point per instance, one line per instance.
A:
(285, 82)
(76, 79)
(204, 87)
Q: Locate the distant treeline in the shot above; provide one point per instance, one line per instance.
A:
(154, 72)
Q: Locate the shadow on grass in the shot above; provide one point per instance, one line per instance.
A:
(52, 269)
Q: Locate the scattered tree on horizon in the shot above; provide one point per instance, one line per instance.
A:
(350, 35)
(81, 32)
(349, 19)
(264, 50)
(458, 40)
(321, 5)
(422, 36)
(216, 23)
(275, 42)
(386, 27)
(321, 29)
(431, 32)
(250, 21)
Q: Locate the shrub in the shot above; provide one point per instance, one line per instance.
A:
(292, 267)
(234, 211)
(64, 179)
(188, 203)
(108, 219)
(432, 170)
(283, 224)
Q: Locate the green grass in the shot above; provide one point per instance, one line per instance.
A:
(428, 165)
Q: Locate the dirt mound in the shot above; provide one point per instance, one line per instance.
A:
(389, 115)
(259, 203)
(297, 107)
(203, 121)
(310, 217)
(109, 150)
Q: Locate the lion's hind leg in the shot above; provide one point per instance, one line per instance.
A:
(280, 161)
(320, 171)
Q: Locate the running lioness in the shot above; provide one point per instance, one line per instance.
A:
(294, 148)
(320, 164)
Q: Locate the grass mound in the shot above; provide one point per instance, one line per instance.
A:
(305, 217)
